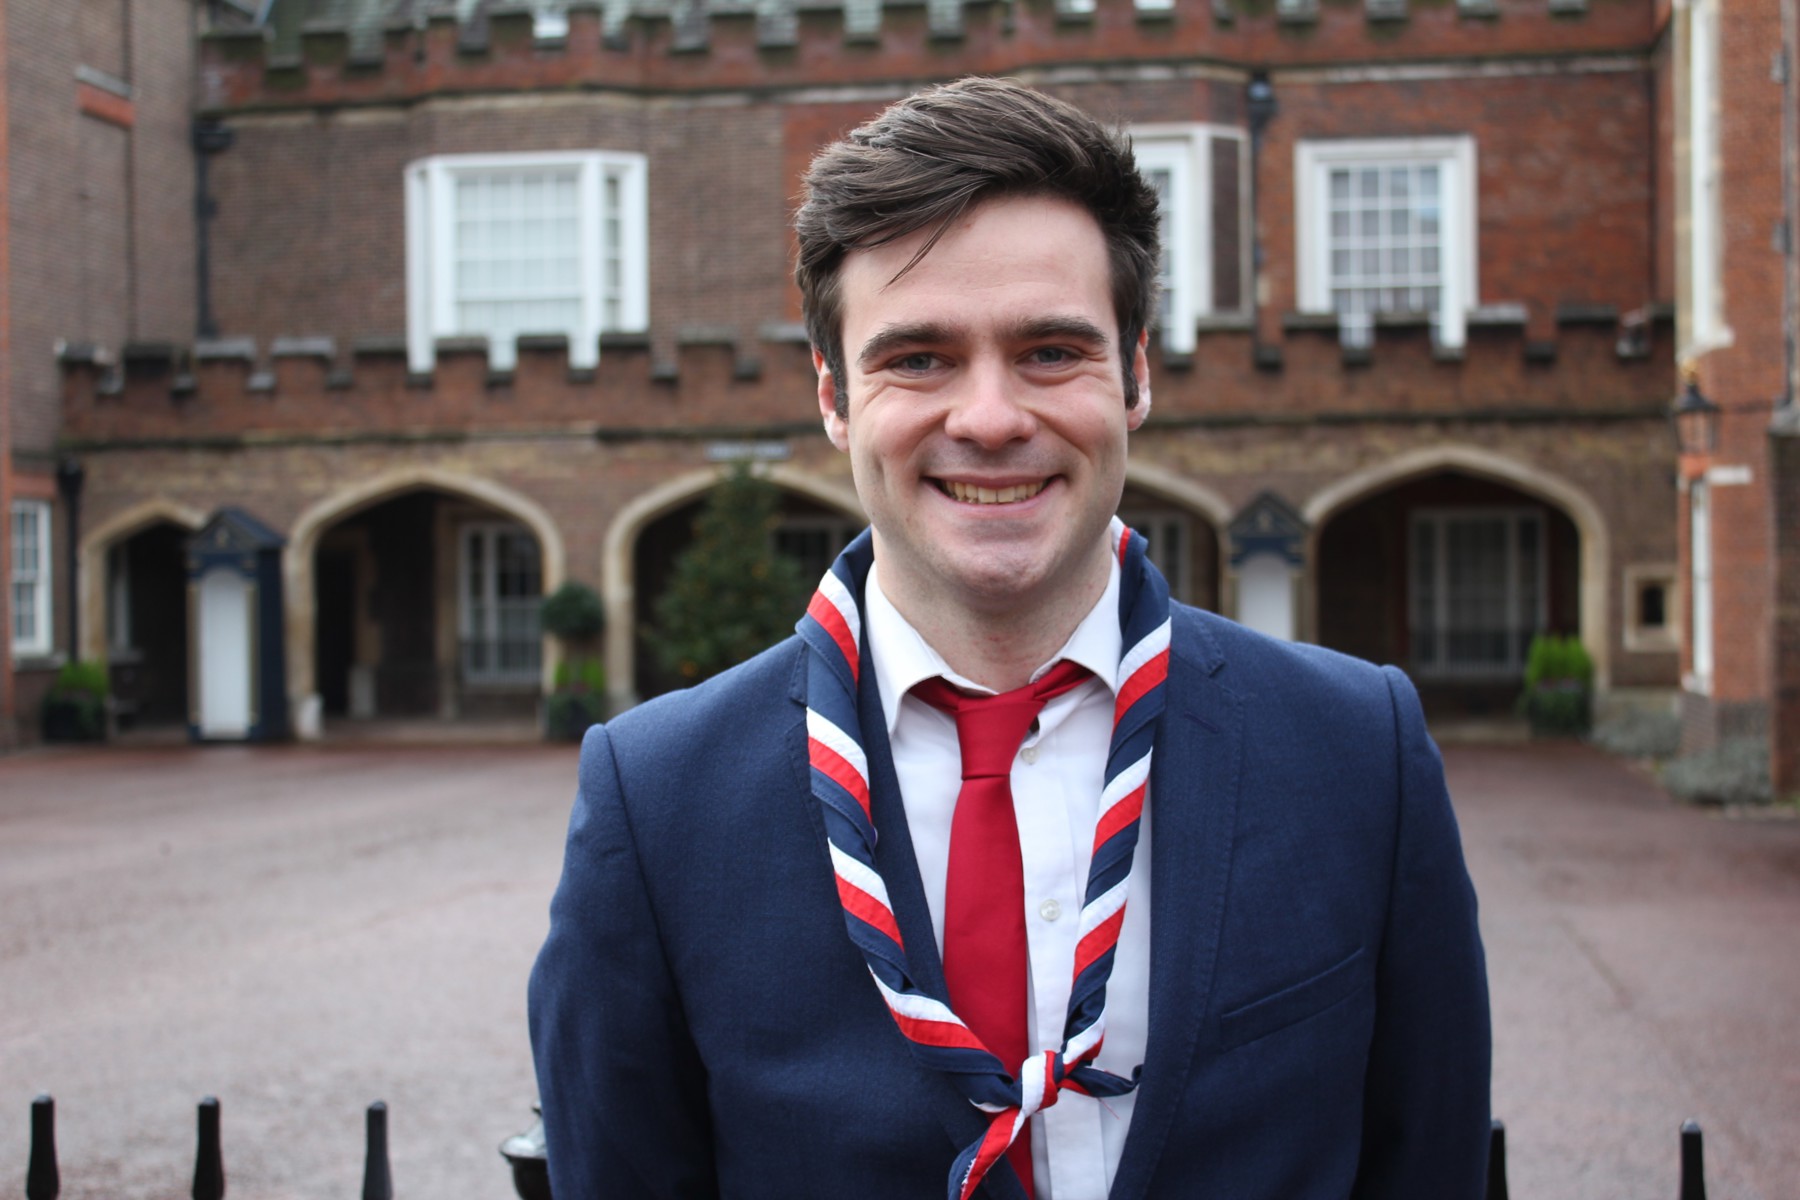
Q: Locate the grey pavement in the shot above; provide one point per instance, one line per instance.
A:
(304, 930)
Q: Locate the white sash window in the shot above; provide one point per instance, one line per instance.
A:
(1478, 590)
(500, 245)
(501, 588)
(31, 614)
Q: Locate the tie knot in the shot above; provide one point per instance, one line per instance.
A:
(989, 729)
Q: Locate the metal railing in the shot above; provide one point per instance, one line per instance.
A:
(524, 1152)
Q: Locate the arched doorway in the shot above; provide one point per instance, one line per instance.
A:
(1449, 569)
(135, 610)
(819, 516)
(1182, 520)
(416, 595)
(811, 533)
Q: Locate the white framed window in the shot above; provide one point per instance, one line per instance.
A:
(1705, 303)
(1478, 590)
(498, 597)
(32, 619)
(499, 245)
(1700, 572)
(1200, 173)
(1387, 225)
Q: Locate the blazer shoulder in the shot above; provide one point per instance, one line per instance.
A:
(1257, 665)
(745, 712)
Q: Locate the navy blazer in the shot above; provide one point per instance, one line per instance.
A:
(1318, 1027)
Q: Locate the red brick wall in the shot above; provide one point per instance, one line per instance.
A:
(8, 702)
(1746, 376)
(310, 234)
(101, 217)
(995, 38)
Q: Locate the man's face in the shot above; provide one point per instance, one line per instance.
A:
(987, 419)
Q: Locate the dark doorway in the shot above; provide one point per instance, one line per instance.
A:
(1449, 576)
(147, 627)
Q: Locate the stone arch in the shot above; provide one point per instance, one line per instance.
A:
(303, 539)
(1185, 492)
(93, 550)
(618, 569)
(1586, 516)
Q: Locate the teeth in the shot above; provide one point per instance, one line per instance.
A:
(972, 494)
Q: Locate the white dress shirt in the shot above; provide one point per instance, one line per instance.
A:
(1056, 782)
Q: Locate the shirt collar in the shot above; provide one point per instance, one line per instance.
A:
(903, 658)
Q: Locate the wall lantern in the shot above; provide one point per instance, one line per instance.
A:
(1259, 97)
(1696, 418)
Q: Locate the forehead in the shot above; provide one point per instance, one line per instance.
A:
(1004, 258)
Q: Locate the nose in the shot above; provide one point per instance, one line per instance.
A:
(990, 411)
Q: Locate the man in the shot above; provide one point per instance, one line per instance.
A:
(890, 907)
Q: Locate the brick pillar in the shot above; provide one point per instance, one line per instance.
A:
(1784, 489)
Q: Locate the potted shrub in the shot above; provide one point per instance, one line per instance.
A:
(74, 710)
(1559, 681)
(574, 616)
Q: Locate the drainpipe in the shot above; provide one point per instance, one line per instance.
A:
(210, 137)
(69, 475)
(1259, 102)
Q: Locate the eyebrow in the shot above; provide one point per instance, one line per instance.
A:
(892, 337)
(933, 333)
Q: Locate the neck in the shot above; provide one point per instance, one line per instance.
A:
(997, 642)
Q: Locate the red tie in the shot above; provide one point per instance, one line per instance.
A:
(984, 895)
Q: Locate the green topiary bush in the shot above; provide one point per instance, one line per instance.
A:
(1559, 679)
(573, 612)
(731, 595)
(74, 709)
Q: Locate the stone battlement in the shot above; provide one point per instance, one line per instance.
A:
(225, 391)
(635, 45)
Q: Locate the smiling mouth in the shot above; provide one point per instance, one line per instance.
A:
(970, 493)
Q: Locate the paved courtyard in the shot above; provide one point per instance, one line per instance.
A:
(304, 930)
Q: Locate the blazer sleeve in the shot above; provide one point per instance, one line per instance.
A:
(1426, 1116)
(621, 1083)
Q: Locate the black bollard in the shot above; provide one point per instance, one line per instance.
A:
(209, 1157)
(41, 1180)
(1693, 1170)
(378, 1181)
(1496, 1185)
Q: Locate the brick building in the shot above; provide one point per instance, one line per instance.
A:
(96, 247)
(497, 291)
(1735, 153)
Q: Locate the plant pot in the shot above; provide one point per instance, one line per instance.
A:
(74, 718)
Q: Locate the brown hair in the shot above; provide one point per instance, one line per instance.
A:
(930, 158)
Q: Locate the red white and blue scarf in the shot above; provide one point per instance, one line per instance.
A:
(833, 631)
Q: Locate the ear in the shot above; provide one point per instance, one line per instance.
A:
(836, 428)
(1140, 370)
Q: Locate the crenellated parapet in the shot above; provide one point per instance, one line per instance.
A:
(712, 44)
(227, 392)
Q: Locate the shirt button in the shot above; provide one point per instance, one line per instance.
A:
(1029, 754)
(1049, 910)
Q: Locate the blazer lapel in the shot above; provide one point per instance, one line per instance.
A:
(1194, 780)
